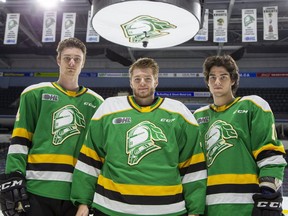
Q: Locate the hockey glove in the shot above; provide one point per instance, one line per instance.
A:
(267, 204)
(13, 195)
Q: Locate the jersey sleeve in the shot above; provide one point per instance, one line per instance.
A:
(192, 166)
(24, 127)
(89, 164)
(267, 149)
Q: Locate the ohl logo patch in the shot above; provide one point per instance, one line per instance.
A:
(140, 141)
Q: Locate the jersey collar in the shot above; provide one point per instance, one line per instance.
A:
(150, 108)
(224, 107)
(81, 90)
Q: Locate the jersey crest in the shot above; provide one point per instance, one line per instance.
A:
(65, 123)
(140, 141)
(216, 139)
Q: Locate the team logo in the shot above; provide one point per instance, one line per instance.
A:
(143, 27)
(216, 139)
(248, 20)
(140, 141)
(66, 122)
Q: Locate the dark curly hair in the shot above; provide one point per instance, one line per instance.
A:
(225, 61)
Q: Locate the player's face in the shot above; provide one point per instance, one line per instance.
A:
(219, 82)
(143, 83)
(71, 61)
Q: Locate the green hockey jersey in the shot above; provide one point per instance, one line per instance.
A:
(49, 131)
(241, 145)
(141, 160)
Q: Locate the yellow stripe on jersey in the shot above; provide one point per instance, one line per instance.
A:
(70, 93)
(198, 158)
(232, 179)
(52, 158)
(22, 132)
(91, 153)
(147, 108)
(139, 190)
(267, 148)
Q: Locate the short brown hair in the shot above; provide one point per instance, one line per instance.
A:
(145, 63)
(225, 61)
(71, 43)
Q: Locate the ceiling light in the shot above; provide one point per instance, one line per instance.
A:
(146, 24)
(3, 0)
(49, 4)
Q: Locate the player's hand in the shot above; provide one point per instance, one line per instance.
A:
(267, 204)
(83, 210)
(13, 195)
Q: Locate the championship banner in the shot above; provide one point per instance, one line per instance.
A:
(220, 26)
(249, 25)
(68, 25)
(202, 34)
(11, 28)
(91, 34)
(49, 26)
(270, 23)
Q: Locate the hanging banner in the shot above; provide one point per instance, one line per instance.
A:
(91, 34)
(220, 26)
(202, 34)
(11, 28)
(249, 25)
(49, 26)
(68, 25)
(270, 23)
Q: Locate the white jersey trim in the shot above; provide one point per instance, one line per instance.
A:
(39, 85)
(178, 107)
(258, 101)
(193, 177)
(276, 160)
(87, 169)
(202, 109)
(112, 105)
(136, 209)
(18, 149)
(49, 176)
(229, 198)
(89, 91)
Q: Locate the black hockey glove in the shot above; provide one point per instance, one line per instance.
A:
(13, 195)
(267, 204)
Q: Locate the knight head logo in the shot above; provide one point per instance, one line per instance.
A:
(143, 27)
(140, 141)
(66, 123)
(216, 139)
(248, 20)
(220, 22)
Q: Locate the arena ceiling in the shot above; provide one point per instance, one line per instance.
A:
(30, 52)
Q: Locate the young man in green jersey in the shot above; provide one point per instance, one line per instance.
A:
(50, 127)
(142, 155)
(244, 157)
